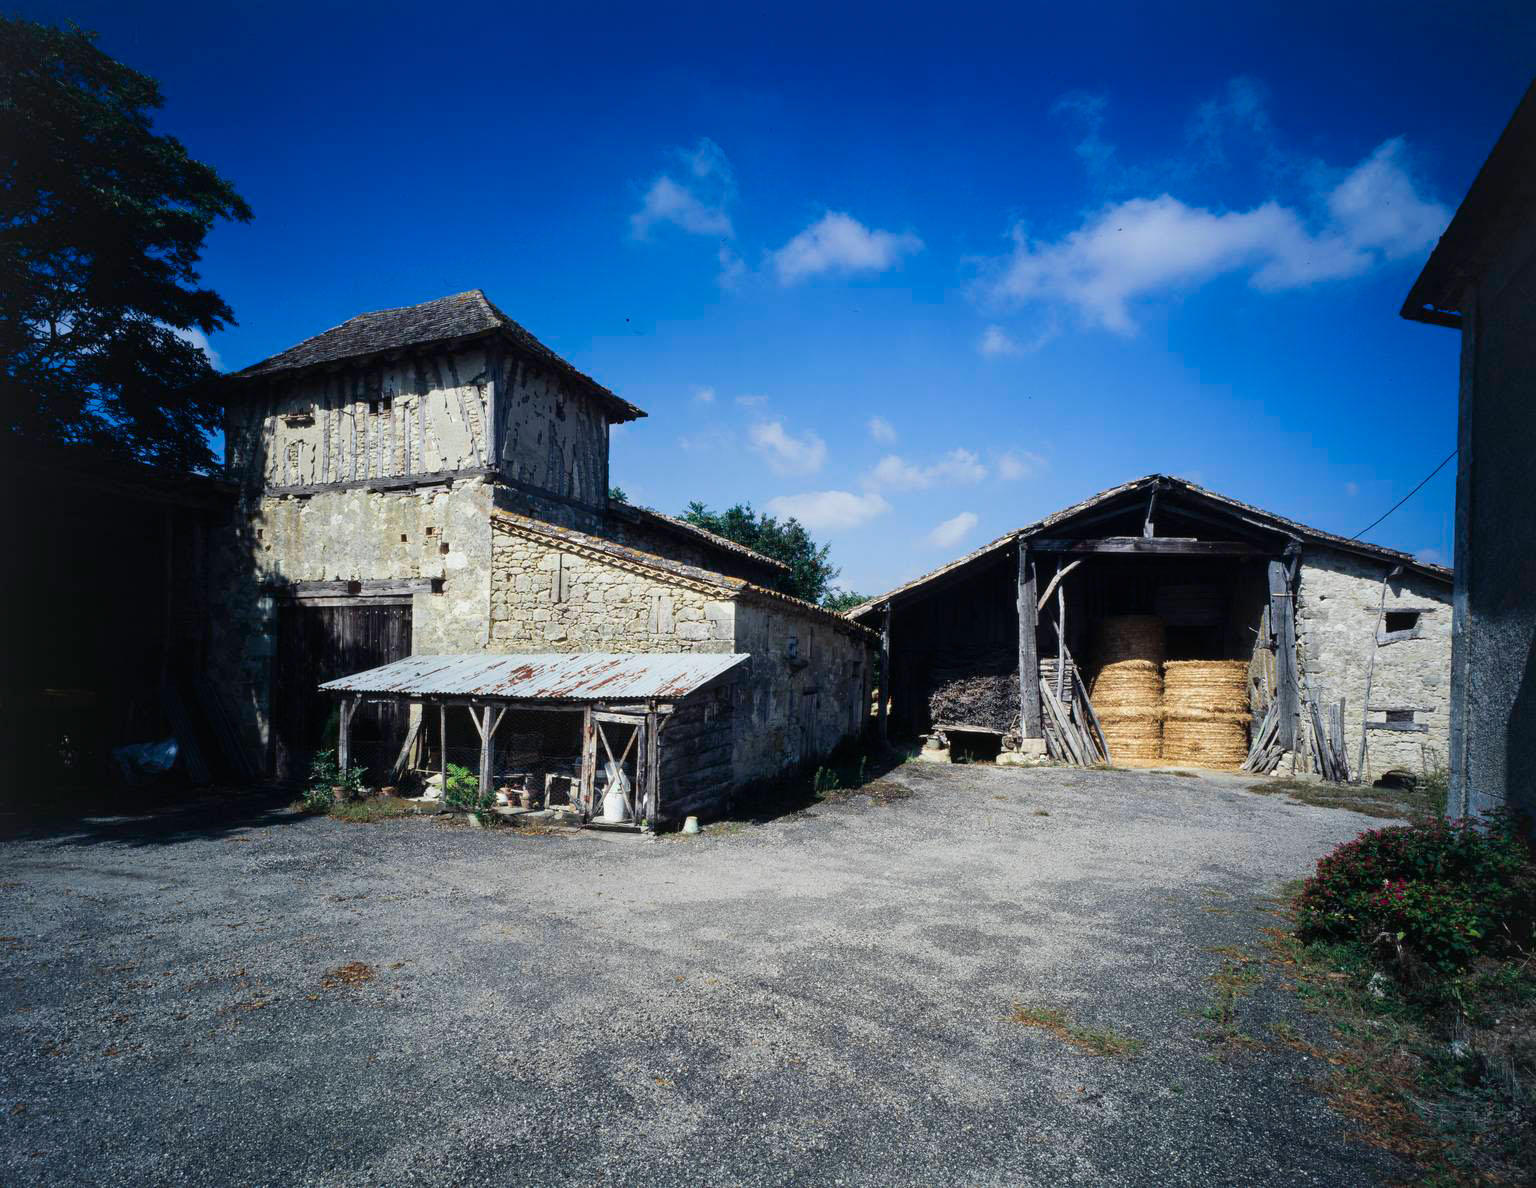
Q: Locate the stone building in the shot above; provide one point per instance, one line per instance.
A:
(1320, 620)
(1481, 280)
(434, 480)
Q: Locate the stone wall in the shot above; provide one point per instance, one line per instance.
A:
(804, 690)
(546, 596)
(350, 534)
(1337, 601)
(1495, 669)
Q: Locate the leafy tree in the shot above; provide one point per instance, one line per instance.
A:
(102, 225)
(616, 494)
(842, 600)
(811, 574)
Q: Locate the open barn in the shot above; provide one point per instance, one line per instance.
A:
(1160, 623)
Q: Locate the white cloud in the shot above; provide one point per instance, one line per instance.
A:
(881, 429)
(1019, 464)
(787, 454)
(751, 401)
(830, 511)
(839, 243)
(732, 268)
(995, 341)
(697, 205)
(1145, 246)
(704, 395)
(707, 441)
(1351, 489)
(952, 531)
(895, 473)
(200, 340)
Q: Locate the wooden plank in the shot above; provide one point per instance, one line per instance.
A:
(403, 760)
(1029, 660)
(1061, 643)
(1401, 727)
(1153, 546)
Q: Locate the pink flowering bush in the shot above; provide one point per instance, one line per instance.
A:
(1439, 889)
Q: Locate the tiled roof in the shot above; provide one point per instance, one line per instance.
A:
(462, 316)
(1256, 516)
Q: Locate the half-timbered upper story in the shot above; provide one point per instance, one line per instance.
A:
(401, 397)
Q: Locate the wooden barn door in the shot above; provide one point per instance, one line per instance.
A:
(320, 642)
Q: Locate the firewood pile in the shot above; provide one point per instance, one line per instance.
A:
(976, 699)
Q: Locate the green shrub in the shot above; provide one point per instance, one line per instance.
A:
(1439, 889)
(463, 791)
(325, 774)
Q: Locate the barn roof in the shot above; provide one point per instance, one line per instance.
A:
(1254, 517)
(571, 676)
(1496, 207)
(460, 317)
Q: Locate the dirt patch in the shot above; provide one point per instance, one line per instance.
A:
(353, 973)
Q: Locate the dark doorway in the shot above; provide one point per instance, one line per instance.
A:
(317, 643)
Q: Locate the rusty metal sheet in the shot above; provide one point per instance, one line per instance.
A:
(574, 676)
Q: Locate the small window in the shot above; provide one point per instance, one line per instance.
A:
(1400, 621)
(1400, 715)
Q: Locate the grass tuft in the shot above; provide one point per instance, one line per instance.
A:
(1097, 1040)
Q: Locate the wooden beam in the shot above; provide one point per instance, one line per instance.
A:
(1153, 546)
(1029, 659)
(652, 768)
(344, 736)
(885, 672)
(1050, 586)
(1146, 524)
(487, 749)
(588, 764)
(1404, 727)
(1282, 626)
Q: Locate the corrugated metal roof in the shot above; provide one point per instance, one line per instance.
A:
(573, 676)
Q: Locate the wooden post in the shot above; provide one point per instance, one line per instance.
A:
(487, 732)
(652, 766)
(442, 743)
(885, 672)
(1061, 641)
(588, 763)
(1029, 660)
(344, 736)
(1282, 625)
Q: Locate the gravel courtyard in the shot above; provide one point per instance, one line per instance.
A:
(821, 998)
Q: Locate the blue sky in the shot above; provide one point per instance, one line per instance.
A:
(918, 275)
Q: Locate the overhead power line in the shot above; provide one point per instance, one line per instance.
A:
(1405, 498)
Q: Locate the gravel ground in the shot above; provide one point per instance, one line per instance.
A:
(822, 998)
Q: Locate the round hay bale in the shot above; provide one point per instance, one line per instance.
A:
(1220, 685)
(1129, 637)
(1205, 703)
(1128, 684)
(1211, 740)
(1133, 733)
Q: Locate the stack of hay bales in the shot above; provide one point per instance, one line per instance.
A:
(1205, 712)
(1127, 690)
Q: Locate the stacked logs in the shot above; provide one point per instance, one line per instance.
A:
(1127, 690)
(1205, 713)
